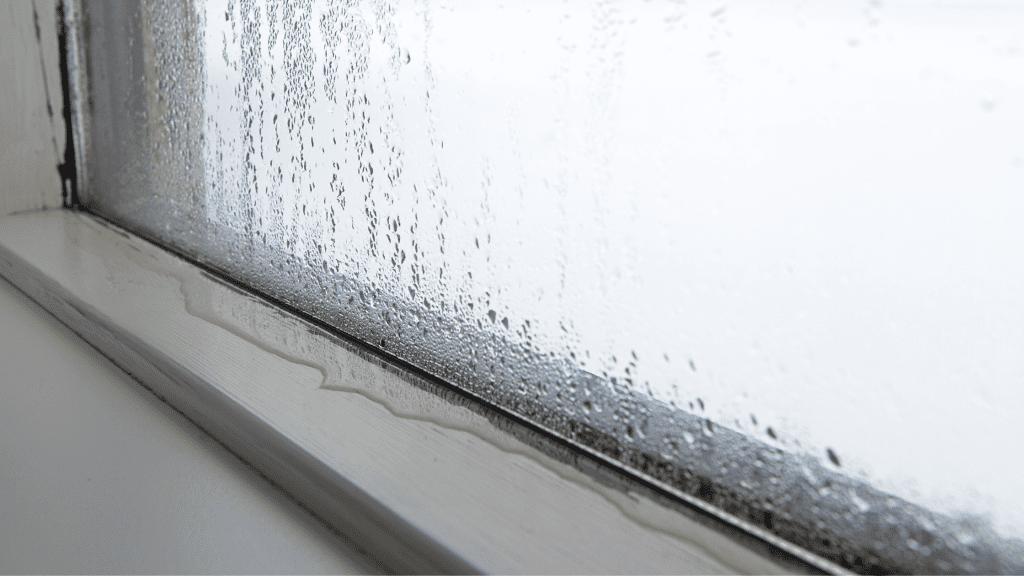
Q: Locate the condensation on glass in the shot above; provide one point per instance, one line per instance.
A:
(766, 253)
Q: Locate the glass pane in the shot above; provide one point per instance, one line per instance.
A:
(764, 253)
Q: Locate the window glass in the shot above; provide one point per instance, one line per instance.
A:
(763, 252)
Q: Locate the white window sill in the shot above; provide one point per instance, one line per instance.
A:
(422, 478)
(98, 476)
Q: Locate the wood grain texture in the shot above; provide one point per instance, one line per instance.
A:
(31, 125)
(433, 485)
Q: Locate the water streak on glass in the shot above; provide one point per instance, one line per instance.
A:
(763, 253)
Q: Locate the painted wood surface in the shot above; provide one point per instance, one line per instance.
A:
(31, 125)
(98, 476)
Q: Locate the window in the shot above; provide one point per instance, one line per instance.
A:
(760, 254)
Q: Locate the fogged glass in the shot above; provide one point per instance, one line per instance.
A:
(765, 253)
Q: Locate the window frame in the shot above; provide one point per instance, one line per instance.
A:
(424, 554)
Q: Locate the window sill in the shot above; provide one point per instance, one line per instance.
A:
(422, 477)
(98, 476)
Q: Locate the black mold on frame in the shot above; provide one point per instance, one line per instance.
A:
(68, 170)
